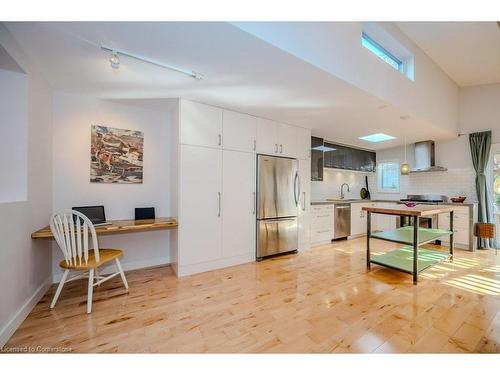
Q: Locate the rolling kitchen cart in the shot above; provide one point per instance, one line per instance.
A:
(409, 258)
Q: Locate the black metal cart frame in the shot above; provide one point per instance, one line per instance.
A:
(414, 219)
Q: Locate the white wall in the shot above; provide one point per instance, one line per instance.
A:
(14, 130)
(480, 109)
(336, 48)
(25, 265)
(73, 117)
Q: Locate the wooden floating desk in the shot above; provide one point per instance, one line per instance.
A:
(410, 259)
(120, 226)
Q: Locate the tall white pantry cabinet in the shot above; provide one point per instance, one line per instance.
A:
(216, 192)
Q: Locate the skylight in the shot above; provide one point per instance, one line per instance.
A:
(378, 137)
(324, 148)
(381, 52)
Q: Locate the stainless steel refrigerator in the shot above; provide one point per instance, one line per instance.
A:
(278, 192)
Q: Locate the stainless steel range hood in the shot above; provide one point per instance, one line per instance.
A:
(425, 158)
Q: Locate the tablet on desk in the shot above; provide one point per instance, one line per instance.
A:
(95, 214)
(145, 213)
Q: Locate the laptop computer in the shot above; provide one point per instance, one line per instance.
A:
(94, 213)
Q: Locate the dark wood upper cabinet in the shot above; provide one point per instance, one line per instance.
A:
(344, 157)
(316, 159)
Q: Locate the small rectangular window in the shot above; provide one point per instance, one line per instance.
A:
(388, 176)
(381, 52)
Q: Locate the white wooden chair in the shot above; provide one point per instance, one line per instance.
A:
(71, 232)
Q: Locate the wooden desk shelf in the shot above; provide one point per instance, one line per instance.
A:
(120, 226)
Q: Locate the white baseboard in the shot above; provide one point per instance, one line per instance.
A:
(128, 266)
(186, 270)
(12, 325)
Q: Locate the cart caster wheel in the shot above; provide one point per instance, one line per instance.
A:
(295, 252)
(259, 259)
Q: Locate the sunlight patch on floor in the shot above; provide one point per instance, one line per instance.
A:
(465, 263)
(493, 269)
(476, 284)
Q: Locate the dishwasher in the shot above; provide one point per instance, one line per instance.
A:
(342, 220)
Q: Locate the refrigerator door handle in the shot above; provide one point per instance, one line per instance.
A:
(304, 203)
(219, 204)
(254, 203)
(281, 220)
(298, 188)
(296, 194)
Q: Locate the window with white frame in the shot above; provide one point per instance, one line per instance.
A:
(388, 176)
(381, 52)
(380, 41)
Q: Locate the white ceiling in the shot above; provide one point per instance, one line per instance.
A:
(241, 72)
(469, 52)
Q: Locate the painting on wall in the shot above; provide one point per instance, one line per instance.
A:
(116, 155)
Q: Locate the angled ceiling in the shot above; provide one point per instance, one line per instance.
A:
(469, 52)
(242, 73)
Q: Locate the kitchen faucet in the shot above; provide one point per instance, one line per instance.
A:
(342, 190)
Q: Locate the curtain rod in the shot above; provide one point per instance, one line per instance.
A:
(476, 131)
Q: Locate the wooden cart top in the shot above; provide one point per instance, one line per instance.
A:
(418, 210)
(120, 226)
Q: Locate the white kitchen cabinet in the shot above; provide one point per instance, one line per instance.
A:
(200, 208)
(303, 140)
(267, 137)
(287, 140)
(358, 219)
(322, 224)
(274, 138)
(238, 213)
(461, 226)
(200, 124)
(239, 131)
(304, 205)
(378, 222)
(384, 222)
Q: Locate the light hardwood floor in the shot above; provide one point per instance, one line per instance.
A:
(322, 300)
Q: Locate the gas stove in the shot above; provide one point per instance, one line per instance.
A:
(425, 199)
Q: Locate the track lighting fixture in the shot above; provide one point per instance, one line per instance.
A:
(114, 61)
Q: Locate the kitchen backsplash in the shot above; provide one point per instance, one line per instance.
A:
(453, 182)
(333, 179)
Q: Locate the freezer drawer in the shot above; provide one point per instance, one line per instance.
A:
(275, 236)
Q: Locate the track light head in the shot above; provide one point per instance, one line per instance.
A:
(114, 60)
(198, 76)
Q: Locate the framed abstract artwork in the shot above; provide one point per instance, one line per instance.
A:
(116, 155)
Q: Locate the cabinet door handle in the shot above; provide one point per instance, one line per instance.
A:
(254, 144)
(254, 203)
(219, 204)
(281, 148)
(304, 199)
(276, 148)
(220, 139)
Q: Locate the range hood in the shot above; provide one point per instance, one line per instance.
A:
(425, 158)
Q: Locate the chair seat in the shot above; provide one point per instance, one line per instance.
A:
(105, 256)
